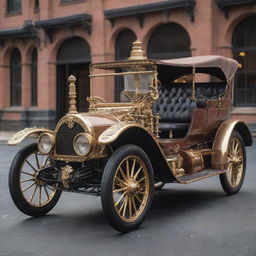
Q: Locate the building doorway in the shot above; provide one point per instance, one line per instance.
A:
(73, 58)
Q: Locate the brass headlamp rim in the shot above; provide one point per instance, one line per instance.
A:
(90, 141)
(52, 138)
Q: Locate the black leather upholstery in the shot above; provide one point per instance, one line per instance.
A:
(175, 106)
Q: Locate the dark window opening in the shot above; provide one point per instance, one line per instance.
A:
(13, 6)
(169, 41)
(244, 49)
(123, 48)
(15, 78)
(34, 78)
(36, 7)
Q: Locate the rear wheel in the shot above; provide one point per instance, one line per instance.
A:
(233, 178)
(30, 194)
(127, 188)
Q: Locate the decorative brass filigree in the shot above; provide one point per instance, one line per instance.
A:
(72, 95)
(65, 174)
(137, 52)
(70, 122)
(21, 135)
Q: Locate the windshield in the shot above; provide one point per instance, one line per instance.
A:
(128, 83)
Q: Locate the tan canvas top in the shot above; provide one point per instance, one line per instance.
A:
(203, 63)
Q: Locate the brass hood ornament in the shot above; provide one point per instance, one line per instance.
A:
(137, 52)
(72, 95)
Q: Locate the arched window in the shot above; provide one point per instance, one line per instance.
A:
(36, 7)
(169, 41)
(244, 48)
(124, 44)
(123, 48)
(13, 5)
(34, 78)
(15, 77)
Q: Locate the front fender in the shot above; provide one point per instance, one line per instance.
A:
(125, 133)
(113, 132)
(27, 132)
(220, 144)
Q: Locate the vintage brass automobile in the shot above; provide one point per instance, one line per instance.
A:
(167, 128)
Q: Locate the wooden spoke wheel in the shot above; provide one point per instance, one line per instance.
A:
(29, 193)
(127, 187)
(232, 179)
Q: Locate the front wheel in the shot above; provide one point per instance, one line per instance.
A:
(233, 178)
(127, 188)
(30, 194)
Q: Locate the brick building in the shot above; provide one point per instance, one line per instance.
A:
(44, 41)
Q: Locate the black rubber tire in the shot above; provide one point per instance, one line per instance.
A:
(159, 185)
(106, 187)
(14, 185)
(223, 177)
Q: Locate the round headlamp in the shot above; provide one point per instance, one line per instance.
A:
(82, 143)
(45, 143)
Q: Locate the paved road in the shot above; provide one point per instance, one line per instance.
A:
(195, 219)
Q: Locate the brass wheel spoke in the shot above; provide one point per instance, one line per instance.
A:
(120, 181)
(139, 181)
(130, 205)
(137, 173)
(122, 205)
(133, 166)
(125, 205)
(50, 188)
(26, 180)
(40, 195)
(37, 162)
(46, 193)
(141, 192)
(31, 165)
(122, 173)
(127, 168)
(121, 197)
(45, 160)
(134, 205)
(27, 173)
(30, 186)
(136, 196)
(119, 190)
(32, 196)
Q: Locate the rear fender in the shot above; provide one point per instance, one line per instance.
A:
(27, 132)
(220, 144)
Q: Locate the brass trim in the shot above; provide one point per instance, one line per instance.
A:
(123, 73)
(27, 132)
(90, 140)
(52, 138)
(220, 144)
(72, 95)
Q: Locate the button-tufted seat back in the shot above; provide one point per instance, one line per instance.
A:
(175, 106)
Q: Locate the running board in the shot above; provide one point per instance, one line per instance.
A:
(200, 175)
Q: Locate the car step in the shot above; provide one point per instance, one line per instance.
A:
(200, 175)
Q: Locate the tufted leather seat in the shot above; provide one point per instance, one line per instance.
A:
(175, 106)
